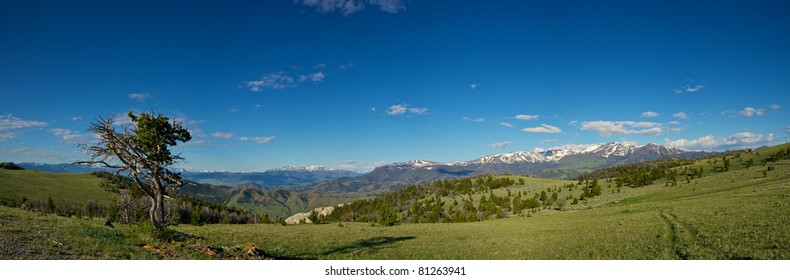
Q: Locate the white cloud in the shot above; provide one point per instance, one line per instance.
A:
(775, 106)
(543, 128)
(72, 137)
(233, 109)
(749, 112)
(787, 129)
(680, 115)
(505, 124)
(650, 114)
(499, 145)
(314, 77)
(258, 106)
(548, 141)
(259, 140)
(689, 88)
(9, 122)
(526, 117)
(473, 86)
(76, 119)
(739, 140)
(139, 96)
(609, 128)
(220, 134)
(372, 109)
(395, 110)
(418, 111)
(122, 120)
(474, 120)
(277, 80)
(674, 123)
(403, 109)
(349, 7)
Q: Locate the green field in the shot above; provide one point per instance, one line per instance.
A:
(742, 213)
(72, 190)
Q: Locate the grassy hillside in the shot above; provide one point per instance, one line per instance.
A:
(72, 190)
(737, 212)
(741, 213)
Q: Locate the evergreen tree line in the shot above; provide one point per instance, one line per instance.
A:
(452, 201)
(639, 174)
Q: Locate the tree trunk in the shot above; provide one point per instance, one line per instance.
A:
(157, 211)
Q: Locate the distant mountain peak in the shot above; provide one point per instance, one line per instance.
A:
(415, 164)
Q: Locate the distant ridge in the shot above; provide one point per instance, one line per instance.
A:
(564, 162)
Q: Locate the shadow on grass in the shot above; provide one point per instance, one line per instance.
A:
(368, 245)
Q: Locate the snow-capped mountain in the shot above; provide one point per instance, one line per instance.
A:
(415, 164)
(565, 162)
(607, 150)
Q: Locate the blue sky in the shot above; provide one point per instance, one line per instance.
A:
(355, 84)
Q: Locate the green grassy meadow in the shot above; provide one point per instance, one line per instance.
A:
(73, 190)
(742, 213)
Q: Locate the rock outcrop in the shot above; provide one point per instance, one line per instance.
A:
(305, 217)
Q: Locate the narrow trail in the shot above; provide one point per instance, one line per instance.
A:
(677, 234)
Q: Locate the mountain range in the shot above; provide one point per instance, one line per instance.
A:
(566, 162)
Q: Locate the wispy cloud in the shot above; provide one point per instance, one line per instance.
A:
(271, 81)
(473, 86)
(259, 140)
(7, 136)
(139, 96)
(473, 120)
(735, 141)
(346, 66)
(314, 77)
(9, 122)
(258, 106)
(500, 145)
(122, 120)
(609, 128)
(349, 7)
(680, 115)
(750, 112)
(505, 124)
(220, 134)
(543, 128)
(674, 123)
(548, 141)
(403, 109)
(775, 106)
(76, 118)
(689, 88)
(72, 137)
(526, 117)
(787, 129)
(649, 114)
